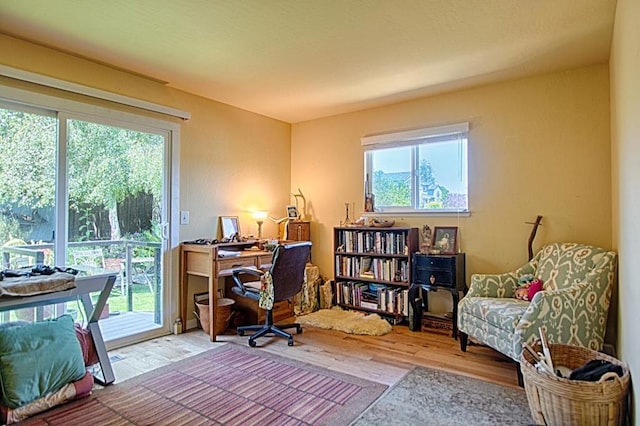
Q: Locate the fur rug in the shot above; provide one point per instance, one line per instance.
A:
(351, 322)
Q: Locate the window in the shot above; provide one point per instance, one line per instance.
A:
(423, 170)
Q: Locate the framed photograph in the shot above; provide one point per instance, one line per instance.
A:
(445, 239)
(292, 212)
(230, 228)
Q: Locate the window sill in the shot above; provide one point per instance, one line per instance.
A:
(415, 213)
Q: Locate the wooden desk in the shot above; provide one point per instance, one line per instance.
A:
(204, 261)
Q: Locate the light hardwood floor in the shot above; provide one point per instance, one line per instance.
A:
(384, 359)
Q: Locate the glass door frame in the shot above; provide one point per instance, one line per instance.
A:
(70, 109)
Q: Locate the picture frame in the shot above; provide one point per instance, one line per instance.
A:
(445, 239)
(292, 212)
(230, 228)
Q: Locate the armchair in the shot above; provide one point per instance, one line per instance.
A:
(281, 282)
(572, 307)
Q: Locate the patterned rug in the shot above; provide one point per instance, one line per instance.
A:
(432, 397)
(230, 385)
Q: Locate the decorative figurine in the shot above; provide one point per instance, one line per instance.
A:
(425, 247)
(347, 221)
(302, 212)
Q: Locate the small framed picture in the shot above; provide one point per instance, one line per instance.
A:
(292, 212)
(445, 239)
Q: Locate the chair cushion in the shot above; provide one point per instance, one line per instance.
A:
(502, 313)
(37, 359)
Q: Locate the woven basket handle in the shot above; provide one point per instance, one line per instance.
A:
(610, 375)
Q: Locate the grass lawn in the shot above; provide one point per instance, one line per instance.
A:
(143, 299)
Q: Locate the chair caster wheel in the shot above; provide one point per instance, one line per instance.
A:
(299, 330)
(290, 342)
(252, 343)
(240, 333)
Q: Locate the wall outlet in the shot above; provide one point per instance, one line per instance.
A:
(184, 217)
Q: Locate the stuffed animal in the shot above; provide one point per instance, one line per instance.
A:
(534, 287)
(522, 293)
(528, 286)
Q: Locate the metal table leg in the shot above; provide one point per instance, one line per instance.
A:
(93, 313)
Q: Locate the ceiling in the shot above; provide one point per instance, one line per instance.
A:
(297, 60)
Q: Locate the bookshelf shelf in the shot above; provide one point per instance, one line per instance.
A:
(372, 268)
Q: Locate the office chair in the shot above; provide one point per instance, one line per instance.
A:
(287, 275)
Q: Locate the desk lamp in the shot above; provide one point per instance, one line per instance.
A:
(260, 216)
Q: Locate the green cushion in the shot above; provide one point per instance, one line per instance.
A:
(37, 359)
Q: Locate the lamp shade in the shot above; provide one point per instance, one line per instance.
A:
(260, 215)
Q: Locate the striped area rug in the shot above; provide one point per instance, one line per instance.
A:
(229, 385)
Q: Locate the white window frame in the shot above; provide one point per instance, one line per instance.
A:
(413, 139)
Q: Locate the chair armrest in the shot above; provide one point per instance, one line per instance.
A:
(237, 272)
(571, 316)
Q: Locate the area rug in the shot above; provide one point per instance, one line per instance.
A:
(230, 385)
(431, 397)
(347, 321)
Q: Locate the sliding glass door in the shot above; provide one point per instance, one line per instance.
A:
(115, 216)
(90, 194)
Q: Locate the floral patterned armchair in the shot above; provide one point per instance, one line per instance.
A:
(572, 307)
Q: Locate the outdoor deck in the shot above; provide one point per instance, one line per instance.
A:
(125, 324)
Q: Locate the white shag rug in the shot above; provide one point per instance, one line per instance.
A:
(351, 322)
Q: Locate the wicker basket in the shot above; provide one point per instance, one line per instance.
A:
(558, 401)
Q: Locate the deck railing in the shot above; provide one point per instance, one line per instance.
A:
(32, 254)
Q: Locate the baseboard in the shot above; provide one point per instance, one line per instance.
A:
(193, 323)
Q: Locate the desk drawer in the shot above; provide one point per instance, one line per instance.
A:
(264, 262)
(226, 265)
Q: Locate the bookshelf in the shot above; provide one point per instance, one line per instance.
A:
(372, 268)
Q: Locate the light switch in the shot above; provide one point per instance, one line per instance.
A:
(184, 217)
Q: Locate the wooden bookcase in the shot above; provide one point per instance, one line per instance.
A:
(372, 268)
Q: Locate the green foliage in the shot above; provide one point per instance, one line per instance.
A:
(425, 172)
(143, 299)
(105, 165)
(9, 230)
(28, 166)
(87, 226)
(390, 192)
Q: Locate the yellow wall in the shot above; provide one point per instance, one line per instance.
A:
(625, 137)
(231, 161)
(537, 146)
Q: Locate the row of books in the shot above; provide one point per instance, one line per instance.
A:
(380, 242)
(372, 268)
(389, 299)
